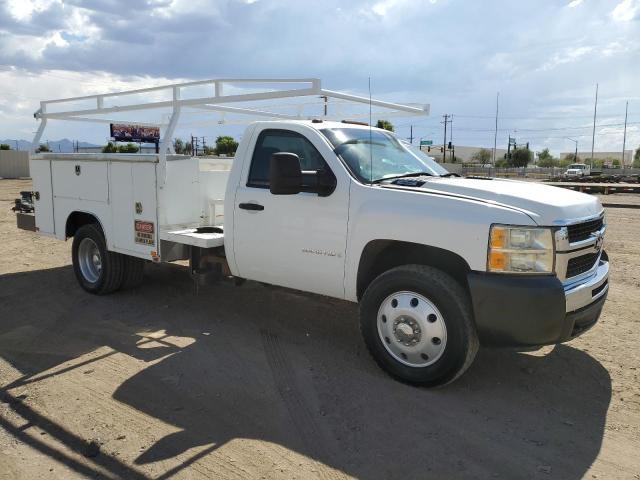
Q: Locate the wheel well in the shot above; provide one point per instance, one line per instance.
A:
(379, 256)
(77, 220)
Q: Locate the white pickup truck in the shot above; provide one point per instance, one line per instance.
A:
(438, 263)
(578, 170)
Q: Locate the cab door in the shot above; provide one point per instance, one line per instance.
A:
(296, 241)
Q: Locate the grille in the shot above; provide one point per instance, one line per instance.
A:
(581, 264)
(582, 231)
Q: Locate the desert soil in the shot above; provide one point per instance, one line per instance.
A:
(254, 382)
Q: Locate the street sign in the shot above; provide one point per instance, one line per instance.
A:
(426, 142)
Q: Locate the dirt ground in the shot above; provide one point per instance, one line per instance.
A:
(254, 382)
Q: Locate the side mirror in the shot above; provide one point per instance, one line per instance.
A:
(285, 174)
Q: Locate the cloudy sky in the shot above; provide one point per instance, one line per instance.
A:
(544, 57)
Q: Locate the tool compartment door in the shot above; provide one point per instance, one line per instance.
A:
(133, 208)
(81, 180)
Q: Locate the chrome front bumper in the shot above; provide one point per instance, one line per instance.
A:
(588, 290)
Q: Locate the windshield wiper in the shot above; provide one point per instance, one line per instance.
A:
(451, 174)
(405, 175)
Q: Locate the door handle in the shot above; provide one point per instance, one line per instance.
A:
(251, 206)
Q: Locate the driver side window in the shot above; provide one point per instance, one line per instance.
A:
(275, 141)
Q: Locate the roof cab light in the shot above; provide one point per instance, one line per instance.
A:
(520, 250)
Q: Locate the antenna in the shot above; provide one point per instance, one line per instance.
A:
(370, 139)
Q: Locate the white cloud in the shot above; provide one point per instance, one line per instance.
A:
(568, 55)
(411, 49)
(626, 10)
(24, 9)
(383, 7)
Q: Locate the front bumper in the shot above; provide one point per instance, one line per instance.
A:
(515, 310)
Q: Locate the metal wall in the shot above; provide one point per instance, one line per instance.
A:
(14, 163)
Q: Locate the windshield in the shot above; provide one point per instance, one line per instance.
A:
(372, 155)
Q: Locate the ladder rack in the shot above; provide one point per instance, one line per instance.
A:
(216, 99)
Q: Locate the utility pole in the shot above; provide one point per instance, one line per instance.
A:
(444, 141)
(495, 135)
(411, 135)
(593, 136)
(451, 140)
(575, 159)
(624, 138)
(204, 145)
(326, 102)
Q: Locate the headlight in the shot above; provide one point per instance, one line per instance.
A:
(520, 250)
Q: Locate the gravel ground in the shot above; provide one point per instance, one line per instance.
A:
(255, 382)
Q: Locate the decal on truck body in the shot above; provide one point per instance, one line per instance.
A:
(144, 232)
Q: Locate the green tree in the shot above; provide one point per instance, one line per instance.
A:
(226, 145)
(597, 163)
(521, 157)
(128, 148)
(502, 163)
(482, 156)
(110, 148)
(565, 162)
(43, 148)
(187, 148)
(386, 124)
(636, 159)
(4, 146)
(545, 159)
(615, 163)
(569, 159)
(209, 150)
(178, 146)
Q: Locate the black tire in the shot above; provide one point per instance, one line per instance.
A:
(110, 275)
(133, 272)
(450, 299)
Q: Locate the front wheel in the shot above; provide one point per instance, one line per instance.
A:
(417, 324)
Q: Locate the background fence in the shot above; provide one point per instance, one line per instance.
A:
(14, 164)
(532, 172)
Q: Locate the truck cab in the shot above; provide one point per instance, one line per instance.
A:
(518, 264)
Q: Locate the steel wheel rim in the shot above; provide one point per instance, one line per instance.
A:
(412, 329)
(89, 260)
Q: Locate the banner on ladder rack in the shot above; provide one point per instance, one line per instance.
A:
(121, 132)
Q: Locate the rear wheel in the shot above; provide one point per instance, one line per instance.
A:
(133, 272)
(417, 324)
(97, 269)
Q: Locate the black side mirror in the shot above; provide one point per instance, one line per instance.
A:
(285, 174)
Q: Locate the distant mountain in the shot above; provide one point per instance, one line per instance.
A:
(64, 146)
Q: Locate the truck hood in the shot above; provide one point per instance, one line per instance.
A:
(545, 204)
